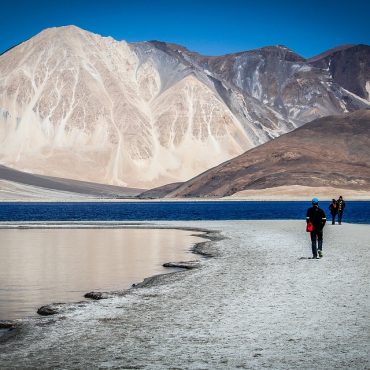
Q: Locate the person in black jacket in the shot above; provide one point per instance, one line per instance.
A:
(341, 204)
(317, 217)
(333, 208)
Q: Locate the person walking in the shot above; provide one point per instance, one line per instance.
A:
(341, 205)
(316, 217)
(333, 208)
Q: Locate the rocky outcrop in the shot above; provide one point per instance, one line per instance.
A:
(349, 67)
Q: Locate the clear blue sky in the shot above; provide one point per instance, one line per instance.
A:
(208, 27)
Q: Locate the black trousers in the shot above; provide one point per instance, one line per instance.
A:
(316, 235)
(333, 215)
(340, 215)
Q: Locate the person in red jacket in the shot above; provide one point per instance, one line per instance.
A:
(316, 216)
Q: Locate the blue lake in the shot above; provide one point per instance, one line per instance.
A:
(63, 264)
(355, 212)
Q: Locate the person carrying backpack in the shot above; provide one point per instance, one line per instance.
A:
(316, 217)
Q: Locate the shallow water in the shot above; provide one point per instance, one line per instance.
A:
(41, 266)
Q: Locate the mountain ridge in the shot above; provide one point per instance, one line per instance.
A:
(77, 105)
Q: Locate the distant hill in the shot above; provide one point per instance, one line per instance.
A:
(18, 184)
(333, 151)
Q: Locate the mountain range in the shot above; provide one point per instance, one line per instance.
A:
(79, 106)
(332, 151)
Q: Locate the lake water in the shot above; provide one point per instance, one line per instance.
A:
(41, 266)
(356, 212)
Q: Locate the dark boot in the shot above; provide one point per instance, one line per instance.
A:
(320, 248)
(314, 250)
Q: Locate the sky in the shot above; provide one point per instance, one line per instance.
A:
(208, 27)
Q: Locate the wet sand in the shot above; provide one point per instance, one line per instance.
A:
(260, 303)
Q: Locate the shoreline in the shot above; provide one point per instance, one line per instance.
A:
(90, 297)
(176, 200)
(278, 193)
(261, 303)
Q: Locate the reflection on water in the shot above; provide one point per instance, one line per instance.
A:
(41, 266)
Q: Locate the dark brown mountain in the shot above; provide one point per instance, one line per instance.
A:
(349, 66)
(160, 191)
(331, 151)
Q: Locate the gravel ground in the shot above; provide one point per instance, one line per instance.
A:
(259, 303)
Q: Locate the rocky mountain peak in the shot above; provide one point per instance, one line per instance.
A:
(348, 66)
(329, 52)
(77, 105)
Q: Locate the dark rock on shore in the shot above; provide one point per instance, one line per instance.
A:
(96, 295)
(50, 309)
(7, 324)
(56, 308)
(189, 265)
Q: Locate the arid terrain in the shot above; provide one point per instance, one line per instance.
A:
(328, 152)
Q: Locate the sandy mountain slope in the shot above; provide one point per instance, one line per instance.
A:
(77, 105)
(17, 184)
(332, 151)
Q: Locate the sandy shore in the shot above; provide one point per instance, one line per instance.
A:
(13, 192)
(260, 303)
(298, 192)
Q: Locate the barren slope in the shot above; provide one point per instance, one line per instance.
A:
(331, 151)
(349, 67)
(20, 184)
(78, 105)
